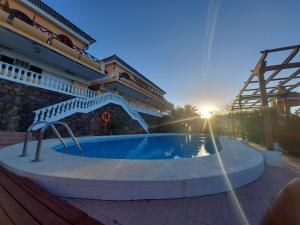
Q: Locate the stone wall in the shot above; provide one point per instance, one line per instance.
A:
(17, 103)
(152, 121)
(91, 124)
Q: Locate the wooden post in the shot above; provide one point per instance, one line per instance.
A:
(265, 107)
(233, 124)
(228, 124)
(241, 118)
(286, 110)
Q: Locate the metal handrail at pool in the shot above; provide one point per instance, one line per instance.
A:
(46, 125)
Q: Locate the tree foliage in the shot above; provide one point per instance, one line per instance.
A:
(180, 119)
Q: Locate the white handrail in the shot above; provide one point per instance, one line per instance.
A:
(113, 74)
(146, 110)
(23, 76)
(79, 105)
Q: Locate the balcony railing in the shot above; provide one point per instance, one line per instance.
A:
(107, 77)
(23, 76)
(45, 35)
(146, 110)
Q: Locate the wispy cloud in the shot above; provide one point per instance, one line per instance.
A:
(212, 16)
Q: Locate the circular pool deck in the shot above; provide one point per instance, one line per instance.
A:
(121, 179)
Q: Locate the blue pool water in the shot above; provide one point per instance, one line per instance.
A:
(151, 147)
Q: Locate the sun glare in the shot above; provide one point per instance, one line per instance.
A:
(206, 111)
(206, 114)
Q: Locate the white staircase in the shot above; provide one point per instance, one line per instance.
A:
(79, 105)
(85, 100)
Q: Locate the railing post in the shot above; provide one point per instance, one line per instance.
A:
(265, 107)
(6, 70)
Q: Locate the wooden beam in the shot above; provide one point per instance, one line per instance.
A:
(276, 72)
(259, 96)
(286, 61)
(262, 58)
(281, 49)
(246, 108)
(282, 83)
(283, 66)
(276, 68)
(293, 86)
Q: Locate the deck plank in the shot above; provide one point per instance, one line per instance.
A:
(4, 218)
(13, 209)
(30, 204)
(23, 202)
(59, 207)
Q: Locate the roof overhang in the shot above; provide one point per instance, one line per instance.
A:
(44, 54)
(35, 6)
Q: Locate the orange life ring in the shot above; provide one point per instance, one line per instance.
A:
(105, 117)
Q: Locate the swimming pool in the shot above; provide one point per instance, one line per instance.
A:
(174, 146)
(151, 171)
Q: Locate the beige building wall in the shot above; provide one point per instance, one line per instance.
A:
(44, 21)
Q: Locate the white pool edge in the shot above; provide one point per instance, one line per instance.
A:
(165, 179)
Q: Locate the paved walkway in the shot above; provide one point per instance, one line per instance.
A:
(220, 209)
(291, 161)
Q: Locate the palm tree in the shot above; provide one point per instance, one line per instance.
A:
(190, 110)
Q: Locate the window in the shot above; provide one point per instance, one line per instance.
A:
(65, 39)
(20, 15)
(7, 59)
(35, 69)
(125, 75)
(21, 63)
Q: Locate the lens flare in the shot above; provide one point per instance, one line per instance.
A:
(206, 114)
(235, 200)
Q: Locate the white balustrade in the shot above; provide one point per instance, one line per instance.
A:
(146, 110)
(23, 76)
(79, 105)
(111, 75)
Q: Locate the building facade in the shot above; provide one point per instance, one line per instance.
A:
(46, 74)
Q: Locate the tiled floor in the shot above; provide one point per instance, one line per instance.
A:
(220, 209)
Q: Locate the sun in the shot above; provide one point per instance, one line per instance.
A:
(205, 114)
(206, 111)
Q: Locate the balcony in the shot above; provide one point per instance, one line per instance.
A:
(44, 38)
(114, 77)
(26, 77)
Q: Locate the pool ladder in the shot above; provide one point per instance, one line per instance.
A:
(41, 137)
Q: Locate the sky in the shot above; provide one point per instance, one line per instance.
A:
(199, 51)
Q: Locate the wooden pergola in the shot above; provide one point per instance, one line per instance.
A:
(269, 83)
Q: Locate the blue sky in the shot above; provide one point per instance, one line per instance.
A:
(198, 51)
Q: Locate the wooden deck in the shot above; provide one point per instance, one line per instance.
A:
(220, 209)
(22, 202)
